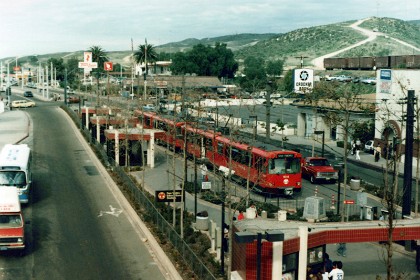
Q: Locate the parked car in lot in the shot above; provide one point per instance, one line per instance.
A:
(206, 120)
(28, 93)
(369, 148)
(344, 78)
(22, 104)
(319, 169)
(149, 107)
(368, 80)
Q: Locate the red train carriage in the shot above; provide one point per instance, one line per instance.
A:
(171, 126)
(269, 168)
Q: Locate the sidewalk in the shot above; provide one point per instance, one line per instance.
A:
(14, 127)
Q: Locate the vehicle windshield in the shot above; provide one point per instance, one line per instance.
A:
(319, 162)
(12, 178)
(8, 221)
(284, 166)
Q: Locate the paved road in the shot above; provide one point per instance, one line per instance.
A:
(80, 227)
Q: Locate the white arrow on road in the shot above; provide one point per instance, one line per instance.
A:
(114, 212)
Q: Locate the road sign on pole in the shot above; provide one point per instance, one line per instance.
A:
(108, 66)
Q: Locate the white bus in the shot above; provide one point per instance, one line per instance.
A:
(15, 169)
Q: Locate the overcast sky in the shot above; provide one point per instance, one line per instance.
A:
(30, 27)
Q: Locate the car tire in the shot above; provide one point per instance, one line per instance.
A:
(312, 179)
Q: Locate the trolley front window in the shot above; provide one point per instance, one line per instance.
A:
(12, 178)
(285, 165)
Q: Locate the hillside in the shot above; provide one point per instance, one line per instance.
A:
(309, 43)
(317, 41)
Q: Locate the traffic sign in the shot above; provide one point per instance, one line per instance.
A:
(349, 201)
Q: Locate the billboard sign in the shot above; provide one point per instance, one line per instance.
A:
(303, 80)
(108, 66)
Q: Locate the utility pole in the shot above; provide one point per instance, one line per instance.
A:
(267, 111)
(301, 60)
(408, 170)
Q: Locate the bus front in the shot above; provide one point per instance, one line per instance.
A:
(284, 172)
(14, 177)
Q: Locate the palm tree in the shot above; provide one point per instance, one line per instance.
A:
(145, 53)
(99, 56)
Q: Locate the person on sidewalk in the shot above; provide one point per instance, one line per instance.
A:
(203, 169)
(377, 152)
(341, 249)
(337, 273)
(357, 152)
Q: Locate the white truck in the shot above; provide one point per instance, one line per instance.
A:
(12, 232)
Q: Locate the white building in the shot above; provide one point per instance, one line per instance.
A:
(391, 89)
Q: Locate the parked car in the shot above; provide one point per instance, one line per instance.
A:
(343, 78)
(206, 120)
(319, 169)
(149, 107)
(368, 80)
(369, 148)
(28, 93)
(331, 78)
(22, 104)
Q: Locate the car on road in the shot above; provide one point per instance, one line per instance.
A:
(22, 104)
(28, 93)
(73, 99)
(319, 169)
(369, 148)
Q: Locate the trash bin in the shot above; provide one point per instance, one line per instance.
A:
(202, 221)
(355, 184)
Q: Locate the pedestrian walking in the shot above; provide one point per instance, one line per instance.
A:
(337, 273)
(341, 249)
(328, 264)
(353, 148)
(357, 152)
(203, 169)
(377, 152)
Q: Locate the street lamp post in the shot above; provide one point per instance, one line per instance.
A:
(249, 237)
(255, 126)
(317, 132)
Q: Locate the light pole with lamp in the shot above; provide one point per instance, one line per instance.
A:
(255, 126)
(318, 132)
(226, 173)
(250, 237)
